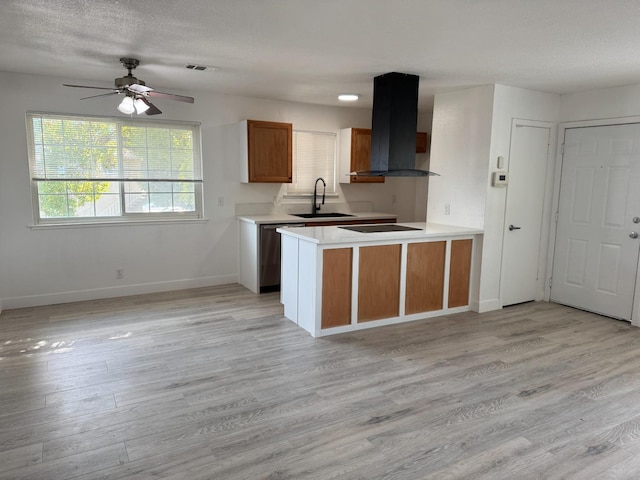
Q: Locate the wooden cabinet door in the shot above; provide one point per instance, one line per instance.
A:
(460, 273)
(425, 277)
(361, 155)
(379, 282)
(270, 151)
(422, 142)
(336, 287)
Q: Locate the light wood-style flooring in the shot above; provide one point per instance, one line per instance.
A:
(215, 383)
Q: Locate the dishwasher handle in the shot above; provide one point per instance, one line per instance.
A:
(285, 225)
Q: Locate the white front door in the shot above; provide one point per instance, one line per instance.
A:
(528, 158)
(596, 255)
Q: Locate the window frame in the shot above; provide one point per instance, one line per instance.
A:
(124, 217)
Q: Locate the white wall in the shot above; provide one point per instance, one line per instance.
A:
(461, 140)
(51, 265)
(614, 102)
(423, 162)
(471, 128)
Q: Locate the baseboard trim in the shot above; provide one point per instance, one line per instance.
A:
(486, 305)
(111, 292)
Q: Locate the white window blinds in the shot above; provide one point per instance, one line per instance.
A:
(97, 167)
(314, 155)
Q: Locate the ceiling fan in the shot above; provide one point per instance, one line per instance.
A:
(136, 92)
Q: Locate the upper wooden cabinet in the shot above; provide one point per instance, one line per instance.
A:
(266, 151)
(422, 142)
(355, 153)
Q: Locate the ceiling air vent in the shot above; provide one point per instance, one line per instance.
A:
(200, 68)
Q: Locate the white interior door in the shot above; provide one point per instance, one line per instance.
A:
(528, 159)
(596, 255)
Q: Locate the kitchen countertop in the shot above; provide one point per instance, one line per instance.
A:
(337, 235)
(288, 218)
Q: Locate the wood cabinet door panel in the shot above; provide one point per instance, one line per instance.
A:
(379, 282)
(425, 276)
(361, 155)
(336, 287)
(270, 151)
(459, 273)
(422, 142)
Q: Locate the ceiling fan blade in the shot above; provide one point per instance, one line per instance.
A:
(101, 95)
(170, 96)
(153, 110)
(137, 88)
(86, 86)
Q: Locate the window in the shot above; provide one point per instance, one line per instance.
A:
(87, 169)
(314, 155)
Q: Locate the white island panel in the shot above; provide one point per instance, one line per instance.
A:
(309, 294)
(289, 278)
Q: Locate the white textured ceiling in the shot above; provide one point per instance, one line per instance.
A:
(311, 50)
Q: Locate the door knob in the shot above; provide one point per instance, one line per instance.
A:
(511, 228)
(633, 234)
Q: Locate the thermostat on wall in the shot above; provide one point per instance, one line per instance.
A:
(500, 179)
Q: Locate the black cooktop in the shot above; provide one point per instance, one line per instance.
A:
(384, 227)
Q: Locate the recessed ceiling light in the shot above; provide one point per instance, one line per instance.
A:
(348, 97)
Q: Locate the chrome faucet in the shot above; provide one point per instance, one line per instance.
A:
(316, 206)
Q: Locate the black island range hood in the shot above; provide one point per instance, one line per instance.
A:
(394, 127)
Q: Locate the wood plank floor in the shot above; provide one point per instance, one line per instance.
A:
(215, 383)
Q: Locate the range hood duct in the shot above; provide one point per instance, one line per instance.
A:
(394, 127)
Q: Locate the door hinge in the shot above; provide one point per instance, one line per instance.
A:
(556, 216)
(562, 149)
(550, 281)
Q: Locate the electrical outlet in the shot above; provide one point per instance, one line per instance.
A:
(221, 201)
(447, 209)
(119, 273)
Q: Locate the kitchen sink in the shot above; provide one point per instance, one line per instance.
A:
(320, 215)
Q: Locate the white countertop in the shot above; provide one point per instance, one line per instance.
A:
(337, 235)
(288, 218)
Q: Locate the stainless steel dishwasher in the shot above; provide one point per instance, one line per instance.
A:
(270, 256)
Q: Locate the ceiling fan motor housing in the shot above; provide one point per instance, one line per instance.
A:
(130, 64)
(124, 82)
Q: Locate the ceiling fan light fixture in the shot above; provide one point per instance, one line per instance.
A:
(126, 106)
(140, 106)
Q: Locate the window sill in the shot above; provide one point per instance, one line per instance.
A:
(137, 223)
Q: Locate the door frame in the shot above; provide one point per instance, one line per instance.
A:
(562, 129)
(546, 205)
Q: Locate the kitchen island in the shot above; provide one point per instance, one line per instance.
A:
(336, 280)
(259, 260)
